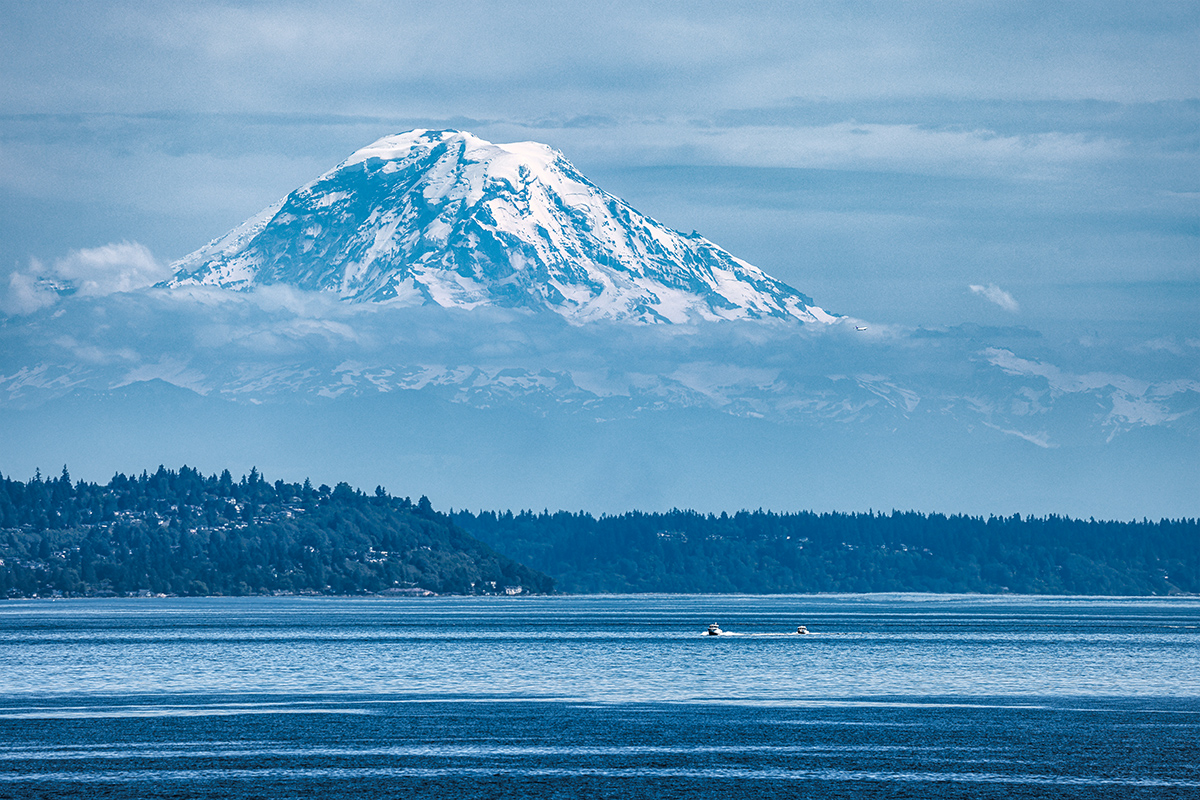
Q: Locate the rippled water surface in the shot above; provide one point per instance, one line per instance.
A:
(891, 696)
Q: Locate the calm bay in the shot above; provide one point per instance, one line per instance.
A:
(605, 696)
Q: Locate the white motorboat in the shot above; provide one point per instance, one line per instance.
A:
(715, 630)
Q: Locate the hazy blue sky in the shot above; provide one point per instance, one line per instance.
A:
(884, 158)
(981, 168)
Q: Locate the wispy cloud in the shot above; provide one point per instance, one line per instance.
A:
(88, 272)
(24, 293)
(1041, 438)
(995, 294)
(117, 267)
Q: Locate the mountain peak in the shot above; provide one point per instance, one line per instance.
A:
(419, 142)
(448, 218)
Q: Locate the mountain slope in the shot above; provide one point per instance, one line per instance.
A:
(444, 217)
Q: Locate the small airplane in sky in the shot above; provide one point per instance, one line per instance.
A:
(860, 327)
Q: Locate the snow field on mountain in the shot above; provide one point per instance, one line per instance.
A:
(447, 218)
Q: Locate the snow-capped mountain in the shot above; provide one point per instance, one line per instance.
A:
(447, 218)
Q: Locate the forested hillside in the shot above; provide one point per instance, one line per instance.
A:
(179, 532)
(763, 552)
(183, 533)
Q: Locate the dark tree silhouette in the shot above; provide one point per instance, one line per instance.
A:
(179, 532)
(764, 552)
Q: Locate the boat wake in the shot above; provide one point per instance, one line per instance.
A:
(767, 635)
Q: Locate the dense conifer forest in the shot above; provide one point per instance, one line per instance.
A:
(181, 533)
(763, 552)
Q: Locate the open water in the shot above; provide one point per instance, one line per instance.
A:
(916, 696)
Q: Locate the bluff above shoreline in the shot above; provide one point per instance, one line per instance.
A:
(182, 533)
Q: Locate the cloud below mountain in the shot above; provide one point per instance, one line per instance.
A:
(89, 272)
(278, 344)
(498, 407)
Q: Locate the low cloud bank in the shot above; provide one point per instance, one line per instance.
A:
(281, 345)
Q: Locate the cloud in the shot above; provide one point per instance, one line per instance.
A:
(996, 295)
(454, 57)
(120, 267)
(1041, 438)
(88, 272)
(25, 293)
(1067, 382)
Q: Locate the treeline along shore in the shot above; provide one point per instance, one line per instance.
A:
(179, 532)
(766, 552)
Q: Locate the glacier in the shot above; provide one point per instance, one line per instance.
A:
(445, 218)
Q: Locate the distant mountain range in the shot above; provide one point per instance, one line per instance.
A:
(446, 218)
